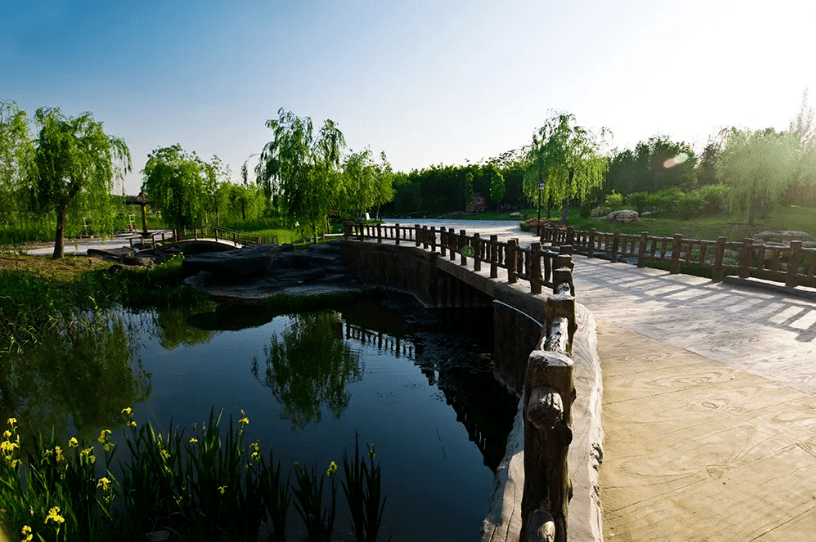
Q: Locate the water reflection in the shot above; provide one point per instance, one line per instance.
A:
(309, 365)
(174, 327)
(83, 375)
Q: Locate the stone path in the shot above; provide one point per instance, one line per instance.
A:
(709, 407)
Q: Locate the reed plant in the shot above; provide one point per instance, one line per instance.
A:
(319, 519)
(210, 486)
(362, 488)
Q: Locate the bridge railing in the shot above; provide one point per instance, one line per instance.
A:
(162, 238)
(793, 265)
(540, 267)
(549, 388)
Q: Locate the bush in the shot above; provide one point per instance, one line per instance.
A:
(640, 201)
(715, 198)
(614, 201)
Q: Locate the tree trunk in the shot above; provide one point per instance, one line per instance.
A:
(59, 242)
(565, 202)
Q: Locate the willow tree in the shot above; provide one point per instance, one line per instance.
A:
(300, 170)
(568, 158)
(366, 184)
(756, 166)
(16, 152)
(174, 179)
(75, 163)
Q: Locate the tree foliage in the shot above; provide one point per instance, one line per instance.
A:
(174, 180)
(652, 166)
(74, 167)
(16, 155)
(366, 184)
(755, 165)
(497, 187)
(568, 157)
(300, 170)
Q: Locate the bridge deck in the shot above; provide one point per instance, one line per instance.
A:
(709, 407)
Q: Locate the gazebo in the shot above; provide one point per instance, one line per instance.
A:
(140, 200)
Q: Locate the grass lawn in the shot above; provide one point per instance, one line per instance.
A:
(733, 226)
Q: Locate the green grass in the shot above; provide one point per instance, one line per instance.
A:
(734, 226)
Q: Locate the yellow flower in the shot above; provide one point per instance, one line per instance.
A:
(54, 515)
(222, 489)
(26, 532)
(244, 420)
(7, 433)
(165, 454)
(371, 452)
(87, 453)
(14, 463)
(132, 423)
(108, 446)
(12, 422)
(103, 435)
(58, 454)
(332, 469)
(73, 442)
(126, 411)
(193, 440)
(103, 484)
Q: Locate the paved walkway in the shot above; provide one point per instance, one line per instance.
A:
(709, 407)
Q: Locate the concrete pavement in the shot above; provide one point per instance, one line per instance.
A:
(709, 409)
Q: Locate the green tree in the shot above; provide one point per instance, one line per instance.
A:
(755, 165)
(174, 180)
(802, 183)
(366, 184)
(654, 165)
(467, 189)
(568, 157)
(16, 155)
(301, 170)
(497, 188)
(216, 177)
(74, 167)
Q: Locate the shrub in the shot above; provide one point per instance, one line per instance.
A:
(614, 201)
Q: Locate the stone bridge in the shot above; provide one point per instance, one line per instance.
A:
(709, 410)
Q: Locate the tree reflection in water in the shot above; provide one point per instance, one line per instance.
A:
(84, 371)
(309, 365)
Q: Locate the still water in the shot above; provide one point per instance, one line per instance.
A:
(416, 384)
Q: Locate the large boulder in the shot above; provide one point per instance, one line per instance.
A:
(234, 263)
(784, 236)
(622, 216)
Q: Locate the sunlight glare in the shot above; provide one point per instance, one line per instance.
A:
(675, 161)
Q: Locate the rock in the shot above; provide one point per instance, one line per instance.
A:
(597, 211)
(622, 216)
(515, 214)
(784, 236)
(234, 263)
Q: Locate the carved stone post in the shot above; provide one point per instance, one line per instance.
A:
(494, 256)
(794, 263)
(549, 392)
(745, 258)
(535, 268)
(613, 257)
(677, 245)
(642, 249)
(477, 252)
(718, 272)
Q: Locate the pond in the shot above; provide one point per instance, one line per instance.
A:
(416, 384)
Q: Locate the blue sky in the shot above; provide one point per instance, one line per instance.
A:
(427, 82)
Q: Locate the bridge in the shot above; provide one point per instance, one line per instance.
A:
(708, 404)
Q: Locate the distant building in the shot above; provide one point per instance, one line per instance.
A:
(479, 203)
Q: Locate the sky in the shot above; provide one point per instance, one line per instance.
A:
(428, 82)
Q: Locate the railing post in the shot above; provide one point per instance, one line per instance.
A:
(510, 260)
(417, 239)
(452, 246)
(443, 241)
(379, 233)
(745, 257)
(462, 245)
(570, 235)
(613, 257)
(591, 244)
(794, 263)
(424, 237)
(397, 233)
(535, 268)
(433, 238)
(494, 257)
(477, 252)
(642, 249)
(677, 245)
(718, 273)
